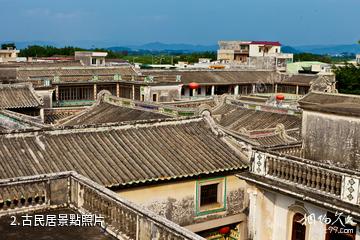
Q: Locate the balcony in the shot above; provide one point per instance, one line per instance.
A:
(122, 219)
(241, 51)
(316, 182)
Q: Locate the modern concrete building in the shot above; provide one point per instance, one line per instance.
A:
(91, 58)
(254, 54)
(8, 55)
(309, 67)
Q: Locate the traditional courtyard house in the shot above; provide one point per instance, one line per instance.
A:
(254, 121)
(111, 109)
(20, 98)
(331, 128)
(181, 168)
(316, 197)
(297, 198)
(205, 83)
(78, 85)
(67, 205)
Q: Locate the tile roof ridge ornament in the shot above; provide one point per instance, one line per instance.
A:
(55, 130)
(211, 122)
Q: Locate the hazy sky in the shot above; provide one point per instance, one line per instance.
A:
(181, 21)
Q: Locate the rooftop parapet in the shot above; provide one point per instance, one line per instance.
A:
(122, 219)
(319, 183)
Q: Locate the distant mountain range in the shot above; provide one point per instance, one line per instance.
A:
(316, 49)
(163, 47)
(188, 48)
(330, 49)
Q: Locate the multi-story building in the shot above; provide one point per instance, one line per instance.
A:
(91, 58)
(9, 54)
(358, 58)
(254, 54)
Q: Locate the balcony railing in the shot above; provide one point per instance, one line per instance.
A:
(339, 183)
(122, 219)
(241, 51)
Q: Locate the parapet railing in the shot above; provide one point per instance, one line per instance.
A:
(336, 182)
(163, 109)
(122, 219)
(264, 107)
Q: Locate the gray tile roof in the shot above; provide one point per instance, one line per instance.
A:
(18, 96)
(77, 73)
(237, 118)
(53, 115)
(229, 77)
(258, 127)
(105, 112)
(120, 154)
(343, 104)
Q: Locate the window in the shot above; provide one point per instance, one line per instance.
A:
(93, 61)
(211, 195)
(259, 49)
(208, 194)
(199, 91)
(298, 229)
(74, 93)
(276, 50)
(154, 98)
(47, 83)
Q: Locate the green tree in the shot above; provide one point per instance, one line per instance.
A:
(311, 57)
(348, 78)
(8, 45)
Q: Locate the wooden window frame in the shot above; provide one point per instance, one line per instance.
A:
(211, 208)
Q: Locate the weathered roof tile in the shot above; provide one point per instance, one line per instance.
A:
(122, 153)
(18, 96)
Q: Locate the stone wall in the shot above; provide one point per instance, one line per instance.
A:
(332, 137)
(176, 201)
